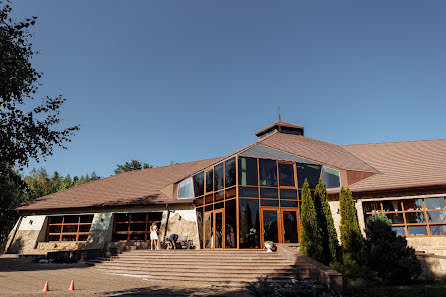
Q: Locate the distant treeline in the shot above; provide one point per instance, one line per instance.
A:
(40, 183)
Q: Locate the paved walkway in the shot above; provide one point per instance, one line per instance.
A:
(21, 277)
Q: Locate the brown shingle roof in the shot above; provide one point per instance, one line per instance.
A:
(316, 150)
(139, 187)
(402, 164)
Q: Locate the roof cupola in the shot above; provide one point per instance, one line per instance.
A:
(282, 127)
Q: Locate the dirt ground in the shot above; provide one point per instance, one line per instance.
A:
(21, 277)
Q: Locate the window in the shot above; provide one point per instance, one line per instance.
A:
(210, 180)
(247, 171)
(69, 228)
(412, 217)
(199, 184)
(330, 177)
(186, 189)
(310, 172)
(200, 224)
(230, 173)
(249, 223)
(286, 175)
(135, 226)
(231, 223)
(268, 172)
(219, 177)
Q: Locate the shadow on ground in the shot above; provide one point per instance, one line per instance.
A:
(154, 291)
(23, 264)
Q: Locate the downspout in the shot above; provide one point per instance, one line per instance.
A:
(167, 223)
(13, 236)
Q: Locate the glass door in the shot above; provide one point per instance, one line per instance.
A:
(270, 225)
(213, 229)
(208, 229)
(218, 229)
(280, 225)
(290, 225)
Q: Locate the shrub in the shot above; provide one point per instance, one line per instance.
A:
(310, 239)
(297, 287)
(387, 253)
(351, 236)
(325, 222)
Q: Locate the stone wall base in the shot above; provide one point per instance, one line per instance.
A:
(428, 245)
(25, 242)
(433, 267)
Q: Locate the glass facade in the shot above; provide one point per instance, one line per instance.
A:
(412, 217)
(244, 201)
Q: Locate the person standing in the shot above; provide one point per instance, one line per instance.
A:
(153, 236)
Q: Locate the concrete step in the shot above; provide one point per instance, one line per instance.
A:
(225, 267)
(211, 254)
(218, 265)
(211, 277)
(198, 259)
(198, 269)
(216, 282)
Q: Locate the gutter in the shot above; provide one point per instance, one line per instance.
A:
(167, 223)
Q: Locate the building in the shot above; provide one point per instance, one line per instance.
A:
(247, 197)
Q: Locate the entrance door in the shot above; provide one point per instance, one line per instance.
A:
(213, 229)
(279, 225)
(270, 224)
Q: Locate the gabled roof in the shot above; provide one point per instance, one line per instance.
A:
(313, 150)
(140, 187)
(316, 150)
(402, 165)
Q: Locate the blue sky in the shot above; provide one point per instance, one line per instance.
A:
(185, 80)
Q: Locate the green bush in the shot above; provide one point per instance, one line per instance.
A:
(310, 239)
(351, 236)
(387, 253)
(351, 269)
(293, 288)
(325, 223)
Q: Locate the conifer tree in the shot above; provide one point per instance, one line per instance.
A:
(325, 223)
(351, 236)
(310, 239)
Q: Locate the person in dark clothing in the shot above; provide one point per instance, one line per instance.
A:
(172, 240)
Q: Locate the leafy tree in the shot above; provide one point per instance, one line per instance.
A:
(387, 253)
(325, 223)
(310, 239)
(28, 129)
(11, 193)
(351, 236)
(131, 166)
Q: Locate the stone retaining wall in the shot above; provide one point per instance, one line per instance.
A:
(433, 267)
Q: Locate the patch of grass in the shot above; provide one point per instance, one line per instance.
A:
(418, 289)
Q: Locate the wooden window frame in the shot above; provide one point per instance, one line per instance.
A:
(62, 224)
(129, 222)
(403, 211)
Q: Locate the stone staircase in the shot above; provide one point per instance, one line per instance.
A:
(224, 267)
